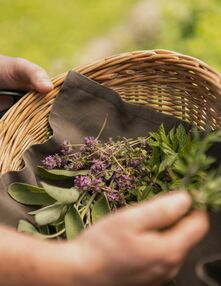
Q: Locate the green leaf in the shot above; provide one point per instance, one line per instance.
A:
(167, 162)
(181, 136)
(155, 157)
(152, 143)
(44, 208)
(29, 195)
(148, 193)
(48, 214)
(27, 227)
(73, 223)
(62, 195)
(155, 136)
(173, 140)
(167, 149)
(163, 135)
(57, 174)
(100, 208)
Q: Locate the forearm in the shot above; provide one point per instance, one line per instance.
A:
(29, 261)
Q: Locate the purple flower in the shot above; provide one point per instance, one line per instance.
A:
(113, 197)
(58, 160)
(52, 161)
(134, 163)
(74, 162)
(90, 141)
(96, 184)
(66, 147)
(82, 182)
(98, 166)
(123, 182)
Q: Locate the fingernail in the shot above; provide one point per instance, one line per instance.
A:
(46, 82)
(42, 77)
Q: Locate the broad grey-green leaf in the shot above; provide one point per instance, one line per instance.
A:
(27, 227)
(44, 208)
(48, 215)
(73, 223)
(29, 195)
(57, 174)
(100, 208)
(62, 195)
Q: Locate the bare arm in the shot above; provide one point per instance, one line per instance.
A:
(126, 248)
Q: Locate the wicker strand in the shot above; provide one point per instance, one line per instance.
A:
(166, 81)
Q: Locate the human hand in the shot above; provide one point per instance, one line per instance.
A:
(136, 246)
(141, 245)
(20, 74)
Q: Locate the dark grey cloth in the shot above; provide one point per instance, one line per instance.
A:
(80, 110)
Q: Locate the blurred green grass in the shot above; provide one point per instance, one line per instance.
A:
(54, 33)
(46, 31)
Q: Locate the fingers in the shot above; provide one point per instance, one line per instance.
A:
(33, 75)
(18, 73)
(160, 212)
(188, 232)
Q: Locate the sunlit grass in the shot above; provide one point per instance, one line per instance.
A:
(48, 31)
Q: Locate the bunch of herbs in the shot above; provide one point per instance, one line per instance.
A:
(103, 177)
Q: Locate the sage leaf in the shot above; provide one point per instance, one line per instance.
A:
(49, 214)
(44, 208)
(57, 174)
(29, 195)
(100, 208)
(73, 223)
(27, 227)
(62, 195)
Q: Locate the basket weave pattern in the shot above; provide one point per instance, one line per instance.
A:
(166, 81)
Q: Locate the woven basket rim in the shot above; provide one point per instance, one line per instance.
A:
(29, 115)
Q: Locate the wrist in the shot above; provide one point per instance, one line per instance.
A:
(66, 265)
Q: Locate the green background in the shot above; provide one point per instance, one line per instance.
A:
(55, 34)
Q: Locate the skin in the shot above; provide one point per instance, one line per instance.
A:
(140, 245)
(20, 74)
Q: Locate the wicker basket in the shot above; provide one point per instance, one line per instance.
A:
(163, 80)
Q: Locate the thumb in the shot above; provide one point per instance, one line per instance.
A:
(33, 75)
(40, 81)
(19, 73)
